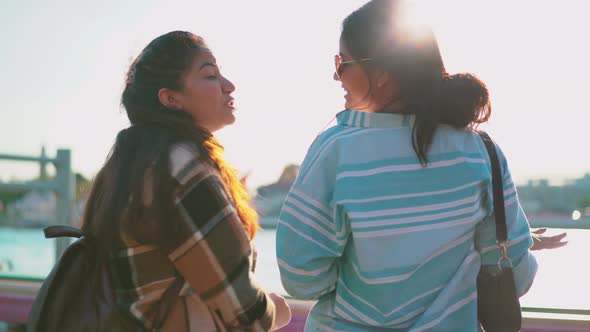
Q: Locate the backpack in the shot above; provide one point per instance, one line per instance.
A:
(77, 295)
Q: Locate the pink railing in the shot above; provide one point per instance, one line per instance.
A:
(14, 308)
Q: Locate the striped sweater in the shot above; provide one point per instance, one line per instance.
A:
(385, 244)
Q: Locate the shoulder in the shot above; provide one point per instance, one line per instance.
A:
(476, 144)
(185, 162)
(333, 134)
(326, 142)
(322, 155)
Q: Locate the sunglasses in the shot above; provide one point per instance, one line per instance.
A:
(341, 64)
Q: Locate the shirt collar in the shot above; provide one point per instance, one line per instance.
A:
(354, 118)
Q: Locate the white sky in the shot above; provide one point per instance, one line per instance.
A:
(62, 65)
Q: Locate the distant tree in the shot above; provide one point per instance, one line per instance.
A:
(82, 186)
(583, 200)
(8, 197)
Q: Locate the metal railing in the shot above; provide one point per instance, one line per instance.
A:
(63, 185)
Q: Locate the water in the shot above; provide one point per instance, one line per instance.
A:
(563, 281)
(27, 250)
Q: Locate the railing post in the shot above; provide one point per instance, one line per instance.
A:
(42, 164)
(65, 197)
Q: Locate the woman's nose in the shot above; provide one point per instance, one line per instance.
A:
(228, 86)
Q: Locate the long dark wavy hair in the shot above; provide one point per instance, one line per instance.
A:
(377, 30)
(139, 160)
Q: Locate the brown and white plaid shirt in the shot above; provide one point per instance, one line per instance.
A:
(212, 253)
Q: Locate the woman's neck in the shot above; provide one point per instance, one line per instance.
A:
(395, 106)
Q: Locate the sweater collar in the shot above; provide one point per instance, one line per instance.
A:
(354, 118)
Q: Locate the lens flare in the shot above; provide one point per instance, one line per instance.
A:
(415, 19)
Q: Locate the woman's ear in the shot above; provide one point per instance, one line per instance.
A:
(169, 98)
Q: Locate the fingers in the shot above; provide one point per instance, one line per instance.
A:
(557, 237)
(548, 242)
(539, 231)
(555, 245)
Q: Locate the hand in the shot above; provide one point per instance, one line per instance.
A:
(547, 242)
(283, 312)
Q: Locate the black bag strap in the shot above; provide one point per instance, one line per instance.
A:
(169, 296)
(497, 187)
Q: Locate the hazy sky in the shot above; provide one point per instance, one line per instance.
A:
(62, 65)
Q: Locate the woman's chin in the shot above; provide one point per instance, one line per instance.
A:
(348, 103)
(229, 120)
(228, 116)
